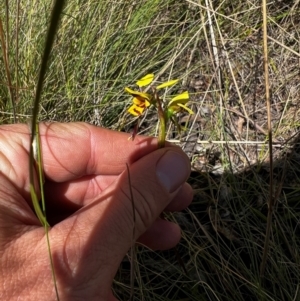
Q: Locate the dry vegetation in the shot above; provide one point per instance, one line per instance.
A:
(215, 47)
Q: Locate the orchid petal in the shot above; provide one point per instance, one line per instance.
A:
(168, 84)
(186, 108)
(146, 80)
(181, 98)
(141, 102)
(135, 110)
(138, 94)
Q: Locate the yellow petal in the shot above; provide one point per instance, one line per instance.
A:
(181, 98)
(140, 102)
(135, 110)
(168, 84)
(146, 80)
(176, 108)
(138, 94)
(186, 108)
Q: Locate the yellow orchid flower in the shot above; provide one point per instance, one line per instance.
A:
(179, 102)
(166, 110)
(138, 107)
(140, 100)
(143, 100)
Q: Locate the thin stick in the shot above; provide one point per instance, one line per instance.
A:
(271, 199)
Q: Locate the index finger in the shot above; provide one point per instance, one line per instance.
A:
(73, 150)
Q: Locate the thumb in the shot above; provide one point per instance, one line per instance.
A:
(154, 181)
(99, 235)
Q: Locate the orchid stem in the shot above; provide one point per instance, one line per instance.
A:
(162, 131)
(162, 123)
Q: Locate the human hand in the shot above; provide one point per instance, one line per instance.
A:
(88, 206)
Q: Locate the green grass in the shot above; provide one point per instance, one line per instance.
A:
(215, 48)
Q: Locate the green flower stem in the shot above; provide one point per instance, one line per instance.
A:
(162, 131)
(162, 122)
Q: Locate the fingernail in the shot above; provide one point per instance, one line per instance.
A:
(172, 170)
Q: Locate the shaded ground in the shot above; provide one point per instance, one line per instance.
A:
(223, 239)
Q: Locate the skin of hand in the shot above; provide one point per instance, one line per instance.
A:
(88, 206)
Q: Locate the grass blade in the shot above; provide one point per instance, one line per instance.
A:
(132, 250)
(35, 147)
(57, 9)
(17, 53)
(7, 71)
